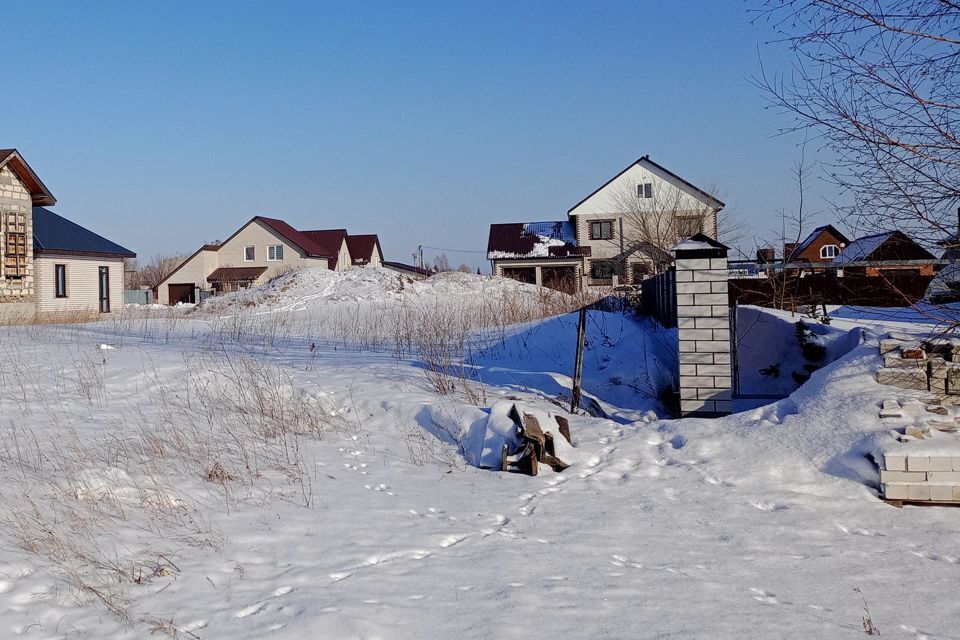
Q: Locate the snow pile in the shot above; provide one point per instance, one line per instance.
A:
(311, 287)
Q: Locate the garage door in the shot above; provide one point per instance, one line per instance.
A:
(181, 293)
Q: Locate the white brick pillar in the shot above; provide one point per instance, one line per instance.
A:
(703, 325)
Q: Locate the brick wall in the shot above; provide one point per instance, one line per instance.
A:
(703, 324)
(15, 216)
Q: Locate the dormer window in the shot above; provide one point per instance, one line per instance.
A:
(829, 251)
(645, 190)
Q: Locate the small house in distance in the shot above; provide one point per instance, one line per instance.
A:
(822, 245)
(895, 247)
(262, 249)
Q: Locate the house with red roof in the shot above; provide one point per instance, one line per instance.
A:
(260, 250)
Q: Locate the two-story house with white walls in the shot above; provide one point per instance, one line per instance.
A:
(631, 221)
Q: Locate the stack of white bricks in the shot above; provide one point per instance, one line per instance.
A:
(932, 365)
(920, 477)
(703, 323)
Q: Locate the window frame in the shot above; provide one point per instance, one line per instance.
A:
(835, 251)
(596, 263)
(644, 190)
(680, 220)
(253, 253)
(600, 223)
(15, 261)
(274, 249)
(60, 280)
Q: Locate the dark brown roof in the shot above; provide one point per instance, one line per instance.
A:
(330, 240)
(302, 239)
(235, 274)
(39, 193)
(362, 247)
(520, 240)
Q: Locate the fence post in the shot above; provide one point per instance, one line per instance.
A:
(703, 326)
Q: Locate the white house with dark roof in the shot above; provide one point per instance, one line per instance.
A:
(621, 231)
(260, 250)
(48, 264)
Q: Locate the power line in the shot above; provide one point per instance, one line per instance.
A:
(452, 250)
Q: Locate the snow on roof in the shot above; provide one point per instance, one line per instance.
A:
(552, 239)
(861, 248)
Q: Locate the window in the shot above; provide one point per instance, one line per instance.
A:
(60, 280)
(15, 255)
(275, 252)
(645, 190)
(602, 269)
(829, 251)
(601, 230)
(249, 253)
(689, 226)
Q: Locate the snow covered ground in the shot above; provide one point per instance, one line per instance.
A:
(223, 474)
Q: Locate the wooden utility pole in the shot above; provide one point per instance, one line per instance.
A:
(578, 364)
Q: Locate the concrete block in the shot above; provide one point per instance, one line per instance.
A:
(918, 492)
(894, 361)
(713, 323)
(717, 370)
(693, 287)
(687, 323)
(895, 491)
(698, 358)
(721, 358)
(902, 476)
(700, 382)
(894, 462)
(944, 477)
(721, 310)
(903, 378)
(694, 311)
(721, 334)
(723, 346)
(956, 463)
(689, 264)
(718, 263)
(685, 300)
(711, 298)
(956, 493)
(953, 380)
(713, 394)
(689, 406)
(696, 334)
(941, 463)
(719, 287)
(689, 394)
(889, 344)
(686, 346)
(708, 275)
(689, 369)
(721, 382)
(941, 494)
(918, 463)
(684, 276)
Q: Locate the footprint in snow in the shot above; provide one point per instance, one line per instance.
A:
(764, 596)
(770, 506)
(253, 609)
(451, 541)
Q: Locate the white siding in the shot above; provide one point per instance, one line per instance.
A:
(261, 236)
(83, 288)
(344, 262)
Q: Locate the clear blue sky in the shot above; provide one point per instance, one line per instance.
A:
(168, 124)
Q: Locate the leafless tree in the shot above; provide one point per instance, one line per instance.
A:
(877, 81)
(157, 269)
(652, 223)
(441, 263)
